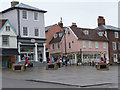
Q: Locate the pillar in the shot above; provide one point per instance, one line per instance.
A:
(36, 53)
(44, 53)
(75, 58)
(19, 57)
(82, 58)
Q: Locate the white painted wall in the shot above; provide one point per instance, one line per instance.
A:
(12, 38)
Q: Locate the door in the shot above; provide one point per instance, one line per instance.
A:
(115, 58)
(4, 62)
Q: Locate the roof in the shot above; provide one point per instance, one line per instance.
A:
(92, 34)
(107, 27)
(2, 22)
(56, 40)
(24, 6)
(48, 27)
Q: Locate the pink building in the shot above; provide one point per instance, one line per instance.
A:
(92, 42)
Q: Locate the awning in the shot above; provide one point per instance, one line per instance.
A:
(8, 52)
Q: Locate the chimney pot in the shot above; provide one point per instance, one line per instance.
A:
(13, 3)
(101, 20)
(74, 24)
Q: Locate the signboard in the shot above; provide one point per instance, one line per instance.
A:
(32, 40)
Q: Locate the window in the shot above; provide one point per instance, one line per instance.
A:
(86, 32)
(68, 32)
(5, 40)
(7, 28)
(96, 44)
(35, 15)
(53, 47)
(100, 33)
(24, 14)
(25, 31)
(115, 57)
(36, 32)
(90, 44)
(114, 45)
(119, 45)
(116, 35)
(84, 44)
(58, 45)
(69, 45)
(104, 45)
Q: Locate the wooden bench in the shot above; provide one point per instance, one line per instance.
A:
(18, 67)
(102, 67)
(51, 66)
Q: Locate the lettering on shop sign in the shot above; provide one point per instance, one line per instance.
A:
(32, 40)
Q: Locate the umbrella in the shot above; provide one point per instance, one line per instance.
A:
(27, 56)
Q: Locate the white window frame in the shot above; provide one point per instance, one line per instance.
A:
(4, 41)
(27, 32)
(104, 45)
(115, 59)
(90, 44)
(96, 45)
(7, 29)
(58, 44)
(84, 44)
(35, 32)
(26, 15)
(116, 34)
(114, 43)
(34, 16)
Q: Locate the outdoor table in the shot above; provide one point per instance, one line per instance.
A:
(51, 66)
(102, 66)
(18, 67)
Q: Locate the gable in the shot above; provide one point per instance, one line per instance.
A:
(3, 31)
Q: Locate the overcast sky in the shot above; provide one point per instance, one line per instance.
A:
(82, 12)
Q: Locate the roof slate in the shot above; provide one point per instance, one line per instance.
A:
(92, 35)
(24, 6)
(107, 27)
(48, 27)
(2, 22)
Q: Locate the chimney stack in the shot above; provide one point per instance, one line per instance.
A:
(74, 24)
(60, 23)
(101, 20)
(13, 3)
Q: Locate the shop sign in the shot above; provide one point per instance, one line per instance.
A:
(32, 40)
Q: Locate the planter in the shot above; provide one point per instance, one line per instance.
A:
(18, 67)
(51, 66)
(102, 67)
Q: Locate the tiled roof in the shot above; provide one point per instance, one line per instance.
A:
(24, 6)
(92, 34)
(56, 40)
(2, 22)
(48, 27)
(107, 27)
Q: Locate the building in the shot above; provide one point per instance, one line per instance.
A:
(49, 32)
(113, 35)
(91, 42)
(28, 22)
(8, 44)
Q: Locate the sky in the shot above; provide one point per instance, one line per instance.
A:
(83, 12)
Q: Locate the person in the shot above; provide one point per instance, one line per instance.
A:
(66, 60)
(48, 60)
(26, 61)
(52, 59)
(93, 63)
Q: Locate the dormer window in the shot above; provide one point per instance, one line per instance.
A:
(116, 35)
(56, 35)
(68, 32)
(60, 34)
(86, 32)
(100, 33)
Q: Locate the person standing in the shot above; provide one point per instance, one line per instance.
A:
(26, 61)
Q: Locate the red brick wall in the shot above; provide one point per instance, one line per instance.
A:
(50, 34)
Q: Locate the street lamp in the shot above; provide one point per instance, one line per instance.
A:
(80, 57)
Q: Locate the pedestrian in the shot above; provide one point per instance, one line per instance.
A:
(66, 61)
(26, 62)
(48, 60)
(52, 60)
(93, 63)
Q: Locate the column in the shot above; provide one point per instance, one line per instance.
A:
(36, 53)
(82, 58)
(75, 58)
(44, 53)
(19, 57)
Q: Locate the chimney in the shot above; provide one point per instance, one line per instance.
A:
(74, 24)
(101, 20)
(60, 23)
(13, 3)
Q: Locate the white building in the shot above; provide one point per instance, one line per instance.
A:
(28, 22)
(8, 43)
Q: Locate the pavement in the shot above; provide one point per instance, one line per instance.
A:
(79, 76)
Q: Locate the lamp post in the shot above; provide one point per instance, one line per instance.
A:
(80, 57)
